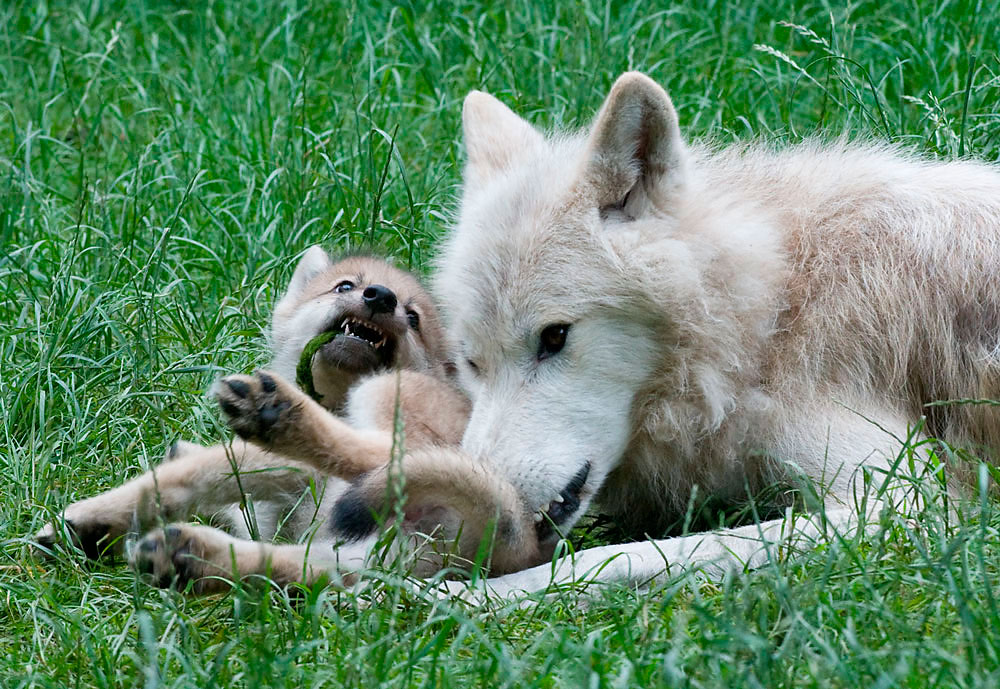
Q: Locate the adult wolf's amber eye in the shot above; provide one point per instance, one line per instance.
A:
(552, 340)
(344, 286)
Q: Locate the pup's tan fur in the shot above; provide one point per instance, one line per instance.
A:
(284, 425)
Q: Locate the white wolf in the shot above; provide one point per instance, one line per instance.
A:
(637, 316)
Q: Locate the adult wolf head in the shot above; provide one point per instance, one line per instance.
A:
(575, 286)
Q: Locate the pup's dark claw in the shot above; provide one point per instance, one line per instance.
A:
(238, 387)
(267, 383)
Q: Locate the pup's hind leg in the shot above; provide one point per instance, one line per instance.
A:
(211, 559)
(203, 480)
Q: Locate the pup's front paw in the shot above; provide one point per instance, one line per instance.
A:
(180, 553)
(258, 407)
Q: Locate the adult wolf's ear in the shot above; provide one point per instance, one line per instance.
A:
(313, 262)
(495, 137)
(636, 154)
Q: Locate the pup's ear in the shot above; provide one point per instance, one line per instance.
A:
(495, 137)
(313, 262)
(635, 151)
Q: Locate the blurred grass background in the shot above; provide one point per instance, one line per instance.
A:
(163, 163)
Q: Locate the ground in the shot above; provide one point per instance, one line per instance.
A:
(162, 164)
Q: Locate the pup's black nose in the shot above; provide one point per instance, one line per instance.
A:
(379, 299)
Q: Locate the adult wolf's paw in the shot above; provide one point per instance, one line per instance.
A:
(182, 553)
(258, 407)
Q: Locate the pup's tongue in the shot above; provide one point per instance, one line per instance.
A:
(347, 354)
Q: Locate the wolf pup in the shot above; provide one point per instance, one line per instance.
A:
(638, 316)
(388, 357)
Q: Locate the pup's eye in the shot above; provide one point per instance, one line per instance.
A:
(552, 340)
(472, 364)
(414, 318)
(344, 286)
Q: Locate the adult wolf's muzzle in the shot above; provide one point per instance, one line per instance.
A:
(563, 507)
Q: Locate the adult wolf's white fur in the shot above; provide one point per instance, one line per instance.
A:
(732, 314)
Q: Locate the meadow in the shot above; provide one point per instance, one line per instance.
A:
(162, 165)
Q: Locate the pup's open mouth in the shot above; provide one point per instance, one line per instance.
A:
(359, 347)
(367, 331)
(562, 507)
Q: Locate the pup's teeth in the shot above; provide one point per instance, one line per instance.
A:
(537, 516)
(559, 498)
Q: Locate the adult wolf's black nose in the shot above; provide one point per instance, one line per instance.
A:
(379, 299)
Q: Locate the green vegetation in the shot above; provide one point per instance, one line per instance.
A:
(163, 163)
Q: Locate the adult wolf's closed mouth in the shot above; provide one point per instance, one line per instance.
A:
(564, 506)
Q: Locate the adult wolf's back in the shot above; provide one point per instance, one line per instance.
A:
(637, 315)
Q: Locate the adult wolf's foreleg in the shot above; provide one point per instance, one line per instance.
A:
(712, 554)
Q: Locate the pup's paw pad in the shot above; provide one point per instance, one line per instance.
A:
(255, 406)
(174, 556)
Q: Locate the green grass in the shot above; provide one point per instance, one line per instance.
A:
(161, 165)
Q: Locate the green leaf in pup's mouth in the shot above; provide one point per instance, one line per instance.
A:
(303, 372)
